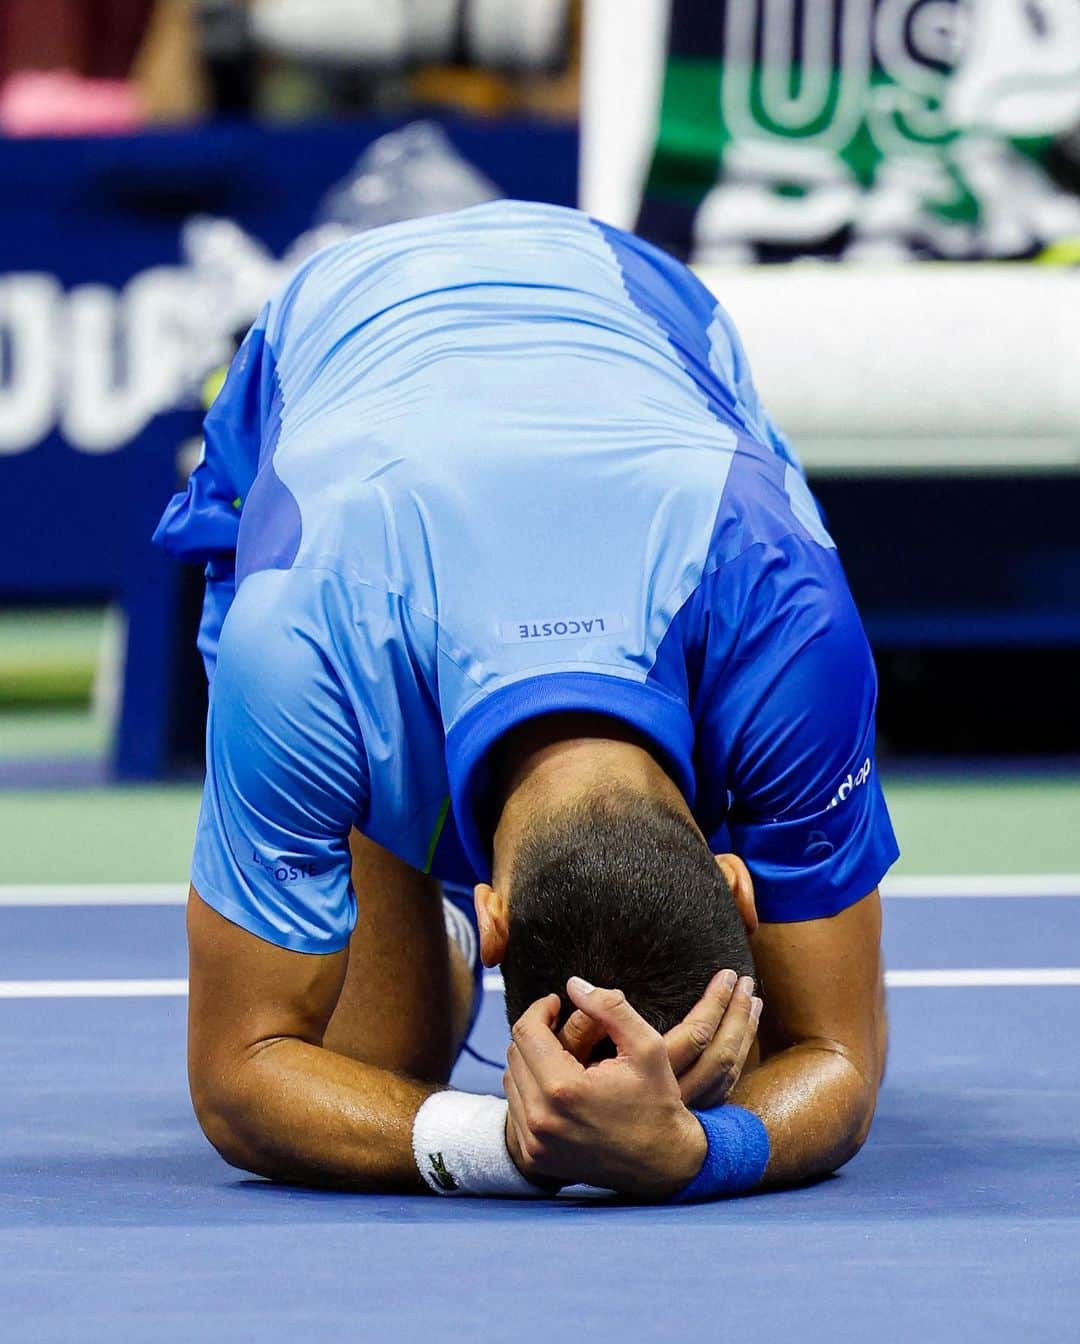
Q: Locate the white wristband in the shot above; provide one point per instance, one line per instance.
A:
(459, 1143)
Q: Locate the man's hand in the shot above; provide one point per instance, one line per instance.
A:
(620, 1124)
(708, 1048)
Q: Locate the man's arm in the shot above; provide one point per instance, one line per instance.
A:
(273, 1100)
(823, 1035)
(267, 1094)
(286, 780)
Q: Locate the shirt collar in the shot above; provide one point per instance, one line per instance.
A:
(655, 713)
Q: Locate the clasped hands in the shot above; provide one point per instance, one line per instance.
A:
(623, 1123)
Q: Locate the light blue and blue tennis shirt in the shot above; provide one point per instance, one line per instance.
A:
(477, 468)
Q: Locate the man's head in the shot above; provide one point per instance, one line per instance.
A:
(619, 888)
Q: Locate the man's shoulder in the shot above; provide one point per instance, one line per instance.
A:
(765, 501)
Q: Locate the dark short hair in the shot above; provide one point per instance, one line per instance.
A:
(621, 890)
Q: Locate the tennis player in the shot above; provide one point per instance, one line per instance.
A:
(512, 586)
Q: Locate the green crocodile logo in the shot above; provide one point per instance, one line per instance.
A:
(439, 1174)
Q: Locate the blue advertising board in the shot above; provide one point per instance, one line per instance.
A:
(101, 329)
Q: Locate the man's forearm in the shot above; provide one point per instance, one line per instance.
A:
(293, 1111)
(816, 1105)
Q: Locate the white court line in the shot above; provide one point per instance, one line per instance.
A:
(1003, 978)
(945, 885)
(94, 893)
(991, 978)
(963, 885)
(92, 989)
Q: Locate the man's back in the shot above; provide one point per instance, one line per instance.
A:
(477, 415)
(491, 465)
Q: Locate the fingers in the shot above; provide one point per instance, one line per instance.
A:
(536, 1115)
(519, 1080)
(709, 1080)
(513, 1096)
(609, 1009)
(580, 1035)
(540, 1050)
(516, 1127)
(686, 1041)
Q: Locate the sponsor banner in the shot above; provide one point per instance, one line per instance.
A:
(878, 129)
(105, 332)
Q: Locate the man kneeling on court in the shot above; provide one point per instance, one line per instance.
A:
(525, 593)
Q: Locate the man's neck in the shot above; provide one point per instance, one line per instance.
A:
(548, 763)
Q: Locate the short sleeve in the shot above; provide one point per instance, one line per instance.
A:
(792, 728)
(202, 522)
(286, 773)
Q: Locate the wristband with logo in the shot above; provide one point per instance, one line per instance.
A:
(459, 1143)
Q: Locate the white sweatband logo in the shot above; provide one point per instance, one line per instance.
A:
(459, 1143)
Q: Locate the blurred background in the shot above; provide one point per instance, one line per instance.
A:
(885, 194)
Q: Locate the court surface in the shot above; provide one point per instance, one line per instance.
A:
(962, 1214)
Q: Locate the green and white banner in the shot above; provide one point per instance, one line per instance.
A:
(880, 129)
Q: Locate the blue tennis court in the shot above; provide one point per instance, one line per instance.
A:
(959, 1217)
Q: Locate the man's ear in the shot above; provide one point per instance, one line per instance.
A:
(737, 876)
(492, 917)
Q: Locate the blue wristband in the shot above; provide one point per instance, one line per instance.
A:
(736, 1158)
